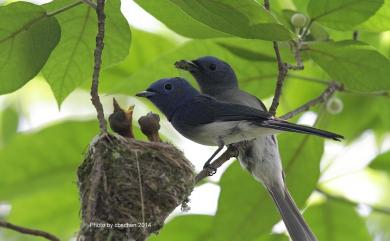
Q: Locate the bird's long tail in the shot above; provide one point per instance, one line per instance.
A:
(287, 126)
(292, 218)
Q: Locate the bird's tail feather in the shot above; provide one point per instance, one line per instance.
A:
(292, 218)
(287, 126)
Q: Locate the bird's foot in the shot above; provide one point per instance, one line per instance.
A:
(210, 169)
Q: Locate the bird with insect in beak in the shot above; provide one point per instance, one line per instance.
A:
(259, 156)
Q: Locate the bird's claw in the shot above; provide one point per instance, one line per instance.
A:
(210, 169)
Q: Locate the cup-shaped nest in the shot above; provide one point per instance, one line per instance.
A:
(129, 187)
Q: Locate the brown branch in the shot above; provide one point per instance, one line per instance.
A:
(28, 231)
(323, 97)
(385, 210)
(229, 153)
(96, 71)
(297, 55)
(282, 72)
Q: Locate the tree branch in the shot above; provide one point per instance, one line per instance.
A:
(323, 97)
(229, 153)
(282, 72)
(385, 210)
(28, 231)
(96, 71)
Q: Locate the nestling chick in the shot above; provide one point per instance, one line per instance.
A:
(121, 120)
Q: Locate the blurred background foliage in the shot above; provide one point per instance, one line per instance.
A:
(47, 121)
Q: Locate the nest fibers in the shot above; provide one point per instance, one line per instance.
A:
(129, 187)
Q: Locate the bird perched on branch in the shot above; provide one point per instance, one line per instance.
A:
(208, 121)
(259, 156)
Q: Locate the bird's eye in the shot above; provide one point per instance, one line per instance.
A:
(212, 67)
(168, 86)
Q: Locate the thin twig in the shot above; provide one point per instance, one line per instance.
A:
(282, 72)
(96, 71)
(385, 210)
(229, 153)
(297, 45)
(322, 98)
(28, 231)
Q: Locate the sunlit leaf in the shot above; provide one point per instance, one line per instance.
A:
(342, 14)
(72, 60)
(246, 18)
(380, 22)
(27, 37)
(179, 21)
(357, 65)
(338, 221)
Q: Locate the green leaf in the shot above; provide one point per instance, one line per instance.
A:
(186, 227)
(381, 162)
(380, 22)
(246, 18)
(248, 54)
(40, 181)
(355, 64)
(27, 37)
(71, 63)
(9, 120)
(342, 14)
(179, 21)
(336, 221)
(257, 213)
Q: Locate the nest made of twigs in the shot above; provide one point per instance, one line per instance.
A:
(131, 185)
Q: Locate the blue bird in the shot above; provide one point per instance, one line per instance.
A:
(260, 156)
(207, 121)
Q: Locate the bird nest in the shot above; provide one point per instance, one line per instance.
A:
(129, 187)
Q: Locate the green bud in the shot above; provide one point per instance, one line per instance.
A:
(298, 20)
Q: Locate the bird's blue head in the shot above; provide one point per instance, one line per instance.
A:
(211, 73)
(168, 94)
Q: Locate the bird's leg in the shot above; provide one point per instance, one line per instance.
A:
(212, 170)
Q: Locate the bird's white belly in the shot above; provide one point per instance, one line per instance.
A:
(224, 133)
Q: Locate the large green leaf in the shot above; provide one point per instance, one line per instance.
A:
(179, 21)
(357, 65)
(40, 181)
(381, 162)
(72, 61)
(257, 213)
(336, 221)
(246, 18)
(380, 22)
(27, 37)
(342, 14)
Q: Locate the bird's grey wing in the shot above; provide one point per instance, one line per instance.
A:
(238, 96)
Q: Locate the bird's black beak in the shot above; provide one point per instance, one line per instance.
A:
(187, 65)
(145, 93)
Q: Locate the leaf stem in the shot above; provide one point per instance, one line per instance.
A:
(63, 9)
